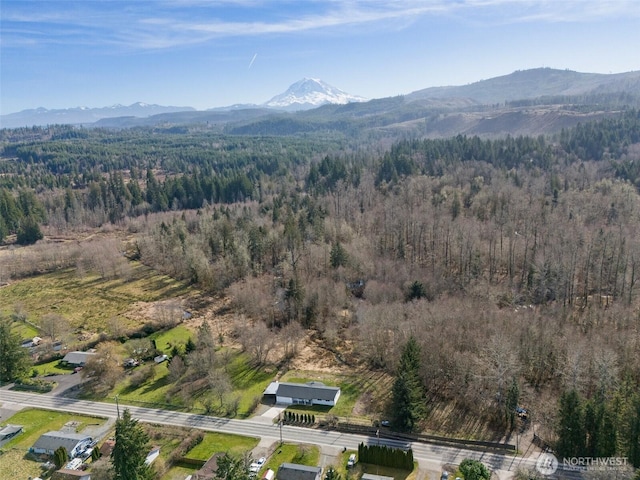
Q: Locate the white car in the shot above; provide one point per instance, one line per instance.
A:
(261, 461)
(254, 467)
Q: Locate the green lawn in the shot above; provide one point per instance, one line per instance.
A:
(36, 422)
(389, 472)
(22, 329)
(166, 340)
(222, 442)
(88, 302)
(211, 444)
(154, 391)
(52, 367)
(289, 453)
(248, 382)
(178, 473)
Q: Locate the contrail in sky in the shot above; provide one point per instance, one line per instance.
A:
(253, 59)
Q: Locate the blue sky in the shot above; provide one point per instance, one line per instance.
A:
(58, 53)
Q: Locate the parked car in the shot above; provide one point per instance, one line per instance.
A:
(352, 460)
(444, 476)
(261, 461)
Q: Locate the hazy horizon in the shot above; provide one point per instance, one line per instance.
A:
(192, 53)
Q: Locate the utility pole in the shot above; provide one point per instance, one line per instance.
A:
(280, 423)
(117, 407)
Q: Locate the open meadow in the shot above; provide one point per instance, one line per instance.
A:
(90, 303)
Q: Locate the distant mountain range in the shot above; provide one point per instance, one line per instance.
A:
(311, 104)
(535, 83)
(302, 95)
(83, 115)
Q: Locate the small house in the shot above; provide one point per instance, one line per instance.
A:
(293, 471)
(310, 393)
(73, 443)
(77, 359)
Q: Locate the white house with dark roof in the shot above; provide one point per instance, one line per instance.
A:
(310, 393)
(77, 359)
(73, 443)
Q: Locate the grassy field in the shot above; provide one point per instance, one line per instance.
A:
(221, 442)
(88, 302)
(22, 329)
(13, 461)
(211, 444)
(248, 382)
(52, 367)
(36, 422)
(14, 464)
(153, 391)
(288, 453)
(166, 340)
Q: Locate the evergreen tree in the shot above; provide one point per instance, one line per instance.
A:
(513, 397)
(29, 231)
(416, 291)
(130, 451)
(60, 457)
(338, 256)
(474, 470)
(571, 435)
(407, 391)
(593, 418)
(231, 468)
(14, 360)
(190, 346)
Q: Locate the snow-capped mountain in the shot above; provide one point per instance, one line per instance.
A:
(310, 93)
(82, 115)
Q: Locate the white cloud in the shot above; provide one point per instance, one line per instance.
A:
(177, 23)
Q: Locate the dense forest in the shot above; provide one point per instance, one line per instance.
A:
(512, 263)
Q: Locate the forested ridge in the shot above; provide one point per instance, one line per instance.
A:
(512, 263)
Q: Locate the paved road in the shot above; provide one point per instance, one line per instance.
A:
(429, 457)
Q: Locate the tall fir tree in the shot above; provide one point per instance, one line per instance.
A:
(571, 435)
(14, 360)
(130, 451)
(408, 391)
(513, 397)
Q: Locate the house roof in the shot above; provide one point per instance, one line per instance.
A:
(293, 471)
(67, 474)
(10, 430)
(50, 441)
(77, 358)
(272, 389)
(107, 447)
(309, 391)
(371, 476)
